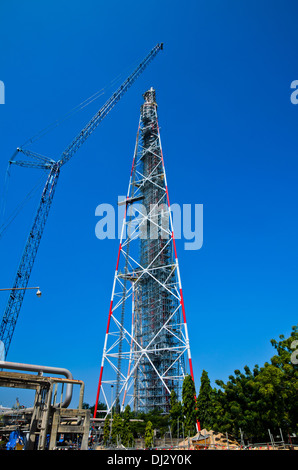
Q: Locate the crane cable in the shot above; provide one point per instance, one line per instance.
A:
(4, 197)
(63, 118)
(39, 135)
(79, 107)
(18, 209)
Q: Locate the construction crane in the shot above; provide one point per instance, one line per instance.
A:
(16, 297)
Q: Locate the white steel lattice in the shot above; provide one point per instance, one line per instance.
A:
(146, 340)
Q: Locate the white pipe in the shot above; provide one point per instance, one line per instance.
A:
(47, 369)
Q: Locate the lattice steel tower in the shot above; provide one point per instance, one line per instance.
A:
(146, 341)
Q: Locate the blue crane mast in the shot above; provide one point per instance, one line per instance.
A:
(16, 297)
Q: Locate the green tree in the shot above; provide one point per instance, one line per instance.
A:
(149, 435)
(261, 399)
(117, 429)
(160, 421)
(237, 404)
(107, 430)
(100, 406)
(277, 383)
(138, 426)
(175, 414)
(189, 405)
(127, 435)
(204, 402)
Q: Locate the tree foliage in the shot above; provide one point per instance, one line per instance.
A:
(149, 433)
(106, 430)
(204, 402)
(260, 399)
(176, 416)
(127, 435)
(189, 406)
(117, 429)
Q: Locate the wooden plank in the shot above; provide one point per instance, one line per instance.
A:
(71, 429)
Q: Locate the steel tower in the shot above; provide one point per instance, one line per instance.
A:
(146, 341)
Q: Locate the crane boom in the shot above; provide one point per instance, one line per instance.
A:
(17, 294)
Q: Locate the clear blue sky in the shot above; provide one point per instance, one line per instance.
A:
(229, 135)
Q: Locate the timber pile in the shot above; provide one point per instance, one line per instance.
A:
(211, 440)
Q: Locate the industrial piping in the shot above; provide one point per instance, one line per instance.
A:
(46, 369)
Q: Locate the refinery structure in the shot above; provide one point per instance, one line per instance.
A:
(146, 348)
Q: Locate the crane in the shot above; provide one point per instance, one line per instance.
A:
(36, 160)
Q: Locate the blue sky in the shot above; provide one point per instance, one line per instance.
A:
(229, 136)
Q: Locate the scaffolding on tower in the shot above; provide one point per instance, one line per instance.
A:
(146, 347)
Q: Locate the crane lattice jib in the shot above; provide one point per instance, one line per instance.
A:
(26, 264)
(16, 297)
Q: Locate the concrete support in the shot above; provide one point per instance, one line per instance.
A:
(47, 418)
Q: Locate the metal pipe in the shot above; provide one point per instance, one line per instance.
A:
(46, 369)
(19, 288)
